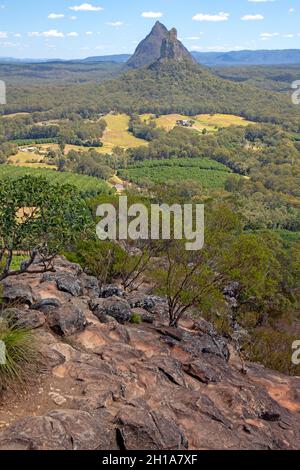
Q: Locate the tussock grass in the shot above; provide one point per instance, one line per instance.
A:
(20, 353)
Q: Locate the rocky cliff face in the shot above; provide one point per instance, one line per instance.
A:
(172, 49)
(160, 44)
(109, 384)
(149, 50)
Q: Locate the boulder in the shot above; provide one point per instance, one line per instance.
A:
(66, 320)
(90, 285)
(16, 292)
(113, 307)
(45, 304)
(110, 291)
(48, 277)
(146, 302)
(27, 319)
(69, 283)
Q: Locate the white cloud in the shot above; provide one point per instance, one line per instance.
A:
(73, 34)
(115, 24)
(86, 7)
(89, 33)
(152, 14)
(252, 18)
(260, 1)
(289, 35)
(17, 35)
(52, 33)
(193, 38)
(73, 17)
(214, 18)
(269, 35)
(292, 10)
(56, 16)
(3, 35)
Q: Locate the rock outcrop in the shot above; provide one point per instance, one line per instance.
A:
(173, 50)
(159, 45)
(109, 384)
(149, 50)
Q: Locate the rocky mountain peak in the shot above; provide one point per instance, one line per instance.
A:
(148, 51)
(173, 49)
(160, 44)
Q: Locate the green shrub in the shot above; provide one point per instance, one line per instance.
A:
(273, 349)
(101, 258)
(136, 319)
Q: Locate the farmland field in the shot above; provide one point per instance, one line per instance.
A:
(117, 135)
(28, 159)
(210, 122)
(86, 184)
(209, 173)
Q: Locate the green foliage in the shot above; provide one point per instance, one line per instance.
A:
(20, 353)
(102, 259)
(89, 163)
(209, 173)
(40, 218)
(88, 186)
(272, 348)
(136, 319)
(197, 279)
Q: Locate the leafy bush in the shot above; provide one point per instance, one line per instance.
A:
(38, 218)
(101, 258)
(273, 349)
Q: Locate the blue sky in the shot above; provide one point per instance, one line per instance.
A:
(73, 28)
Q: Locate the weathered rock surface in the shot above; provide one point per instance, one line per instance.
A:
(147, 386)
(160, 44)
(66, 320)
(111, 290)
(17, 292)
(69, 283)
(26, 319)
(113, 307)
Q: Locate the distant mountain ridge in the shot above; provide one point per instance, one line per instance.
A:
(247, 57)
(210, 59)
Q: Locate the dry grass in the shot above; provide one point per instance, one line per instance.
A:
(28, 159)
(202, 121)
(117, 135)
(14, 115)
(221, 120)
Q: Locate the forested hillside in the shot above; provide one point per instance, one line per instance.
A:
(162, 88)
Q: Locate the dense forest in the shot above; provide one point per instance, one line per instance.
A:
(183, 88)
